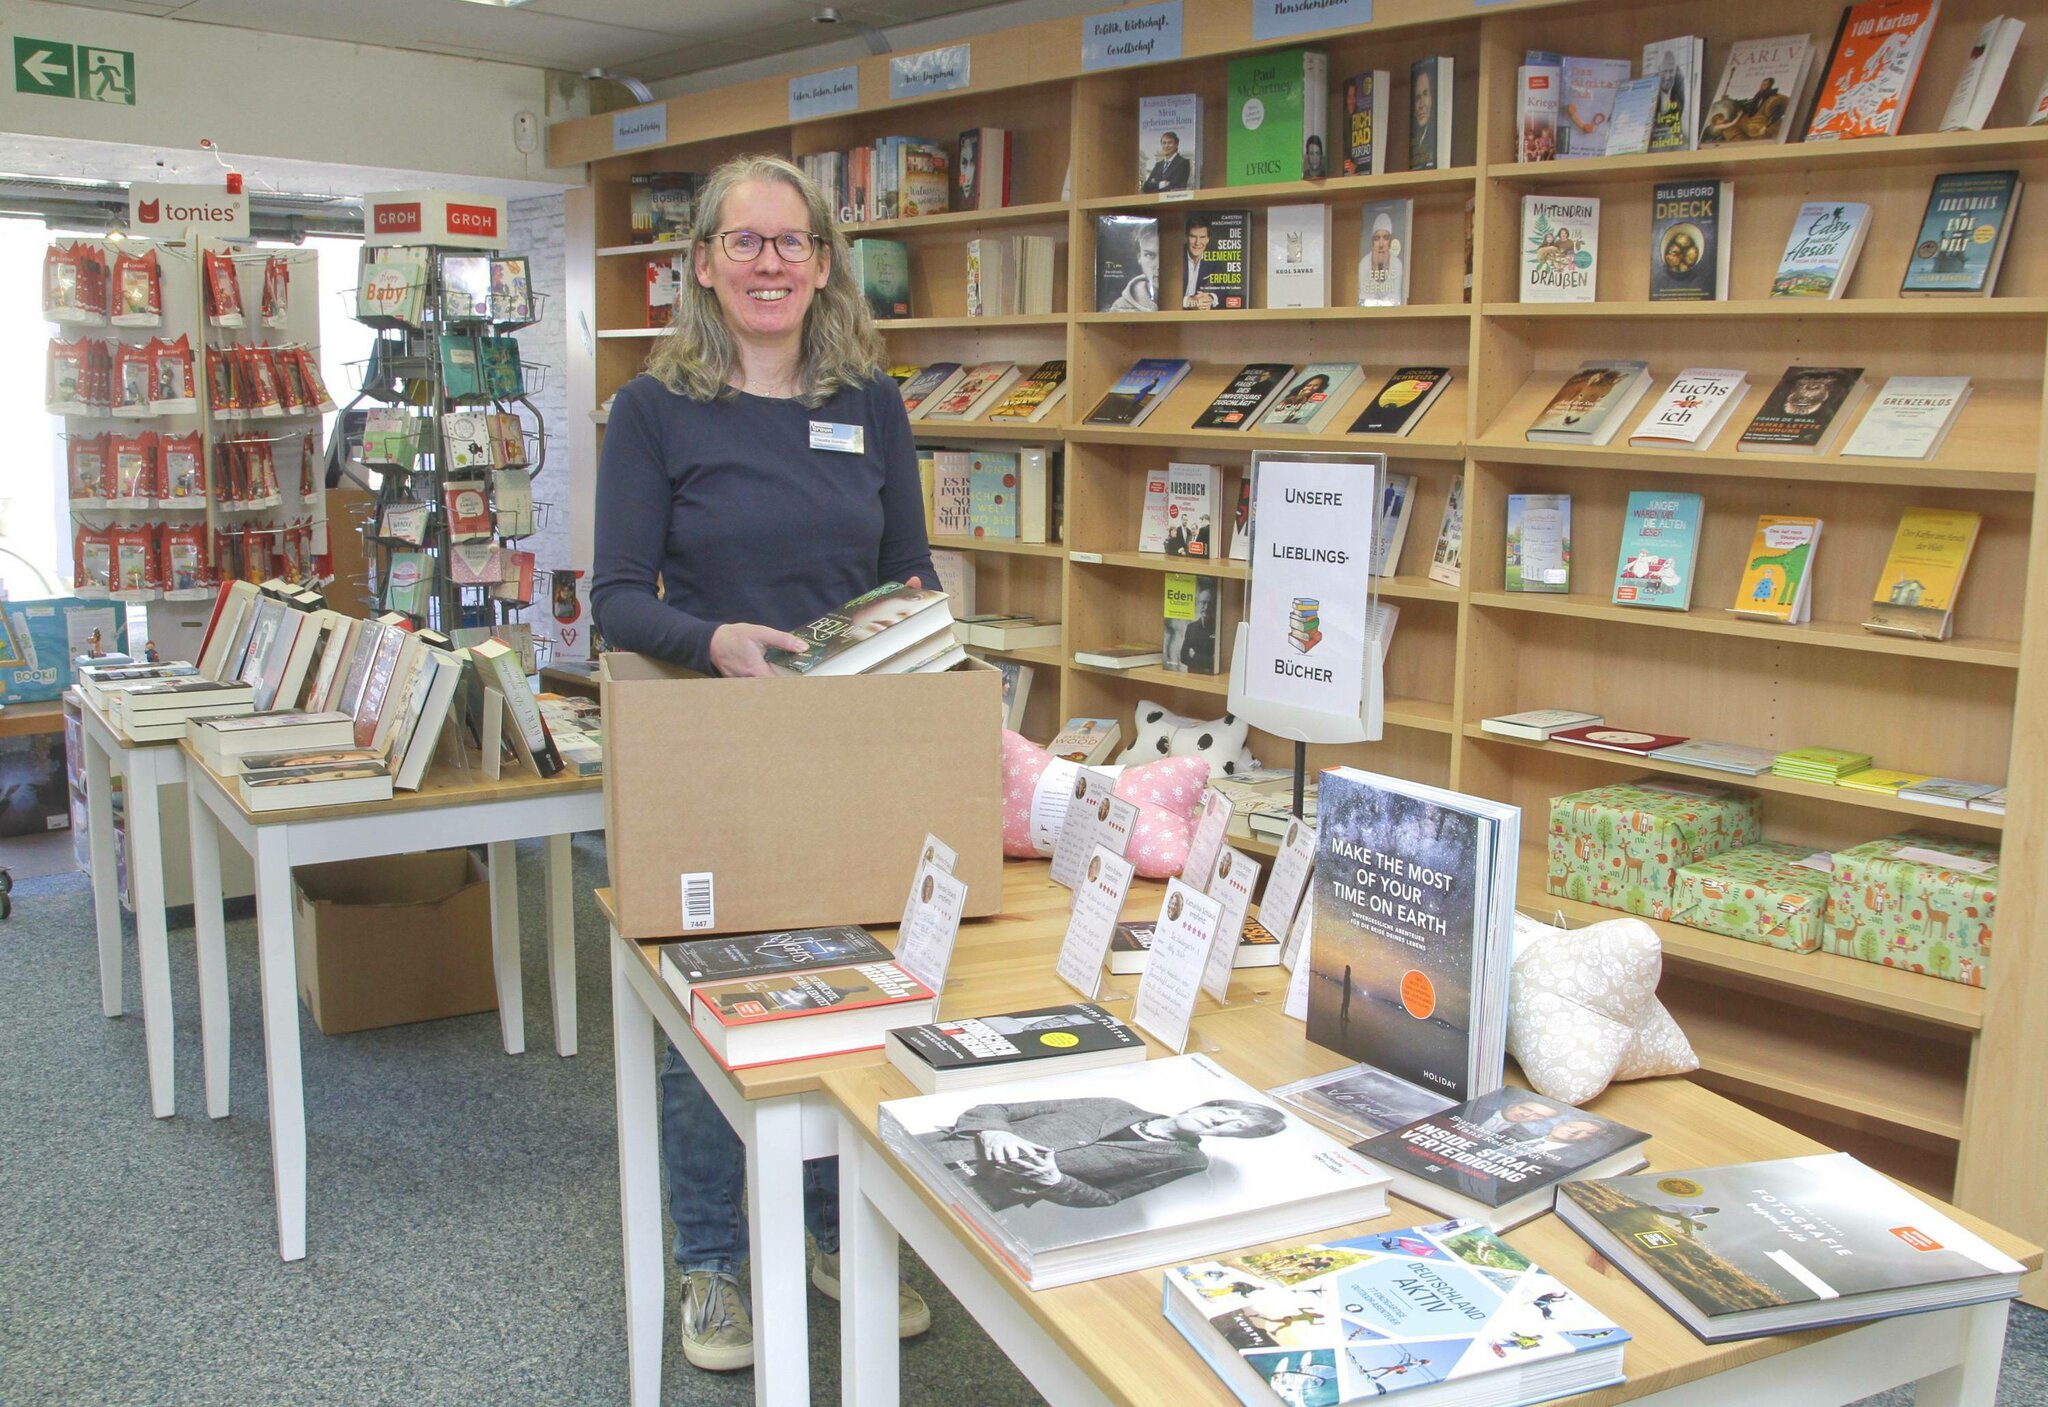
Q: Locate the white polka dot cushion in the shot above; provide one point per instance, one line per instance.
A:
(1158, 732)
(1583, 1009)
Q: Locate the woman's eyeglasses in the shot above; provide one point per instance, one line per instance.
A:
(745, 246)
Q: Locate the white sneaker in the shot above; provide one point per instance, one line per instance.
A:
(718, 1330)
(913, 1315)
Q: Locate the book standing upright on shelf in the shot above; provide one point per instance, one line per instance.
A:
(1539, 542)
(1923, 573)
(1560, 248)
(1827, 236)
(1963, 234)
(1536, 92)
(1126, 263)
(1298, 256)
(1169, 143)
(1363, 137)
(1194, 506)
(1384, 249)
(1214, 273)
(1659, 537)
(1757, 100)
(1871, 71)
(1969, 106)
(1777, 572)
(1429, 113)
(1586, 104)
(1279, 105)
(1677, 65)
(1690, 222)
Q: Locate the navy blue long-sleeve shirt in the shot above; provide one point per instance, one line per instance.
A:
(727, 504)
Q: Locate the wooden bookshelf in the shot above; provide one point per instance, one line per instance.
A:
(1931, 1080)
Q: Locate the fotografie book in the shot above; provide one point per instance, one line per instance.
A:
(1429, 112)
(1539, 543)
(1659, 536)
(984, 1050)
(1963, 235)
(750, 1021)
(1447, 1308)
(1363, 139)
(1692, 410)
(1126, 263)
(1592, 403)
(1805, 412)
(1690, 222)
(1910, 418)
(1762, 81)
(1777, 571)
(1213, 270)
(1869, 78)
(1536, 92)
(1245, 399)
(1279, 104)
(1923, 573)
(1169, 143)
(1298, 256)
(1827, 236)
(684, 965)
(1678, 65)
(1498, 1159)
(1969, 106)
(1447, 561)
(1384, 248)
(1214, 1163)
(1414, 902)
(1770, 1248)
(1587, 104)
(1560, 248)
(1318, 391)
(1139, 391)
(1400, 404)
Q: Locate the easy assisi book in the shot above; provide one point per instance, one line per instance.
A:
(1560, 248)
(1827, 236)
(1658, 539)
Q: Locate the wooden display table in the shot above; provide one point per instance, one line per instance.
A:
(1106, 1341)
(451, 808)
(781, 1114)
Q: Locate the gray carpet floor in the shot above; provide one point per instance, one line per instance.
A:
(463, 1207)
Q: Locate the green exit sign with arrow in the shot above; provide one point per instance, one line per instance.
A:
(55, 70)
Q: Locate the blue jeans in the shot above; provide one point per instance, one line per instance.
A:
(707, 1178)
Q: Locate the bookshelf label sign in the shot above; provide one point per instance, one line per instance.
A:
(933, 71)
(822, 94)
(1145, 34)
(640, 127)
(1283, 19)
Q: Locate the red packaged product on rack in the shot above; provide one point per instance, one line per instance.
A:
(316, 385)
(223, 384)
(259, 381)
(135, 468)
(135, 558)
(87, 464)
(223, 290)
(70, 294)
(131, 379)
(259, 552)
(291, 390)
(277, 282)
(263, 471)
(172, 387)
(138, 291)
(309, 454)
(182, 469)
(298, 557)
(227, 557)
(92, 561)
(181, 557)
(68, 388)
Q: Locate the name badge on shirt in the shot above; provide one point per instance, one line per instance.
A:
(840, 439)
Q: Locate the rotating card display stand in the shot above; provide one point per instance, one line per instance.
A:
(1304, 600)
(408, 372)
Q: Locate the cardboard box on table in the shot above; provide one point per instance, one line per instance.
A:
(1917, 901)
(1621, 846)
(392, 940)
(804, 800)
(1760, 893)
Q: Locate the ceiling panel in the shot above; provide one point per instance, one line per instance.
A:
(159, 8)
(439, 26)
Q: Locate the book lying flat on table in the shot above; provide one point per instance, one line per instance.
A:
(219, 741)
(1094, 1172)
(1610, 739)
(986, 1050)
(1120, 656)
(1537, 724)
(684, 965)
(1772, 1248)
(866, 631)
(1448, 1312)
(279, 781)
(795, 1015)
(1498, 1159)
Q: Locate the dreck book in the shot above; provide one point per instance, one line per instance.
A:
(1690, 223)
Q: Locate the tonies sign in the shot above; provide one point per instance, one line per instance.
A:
(168, 211)
(434, 217)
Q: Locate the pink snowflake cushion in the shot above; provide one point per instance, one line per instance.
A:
(1037, 786)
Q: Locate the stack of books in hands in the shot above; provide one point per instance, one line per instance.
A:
(894, 629)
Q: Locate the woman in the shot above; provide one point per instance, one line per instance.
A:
(713, 483)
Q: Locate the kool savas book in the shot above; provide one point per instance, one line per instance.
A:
(761, 1020)
(763, 954)
(1499, 1158)
(1766, 1248)
(1414, 893)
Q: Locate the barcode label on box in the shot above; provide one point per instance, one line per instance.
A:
(698, 912)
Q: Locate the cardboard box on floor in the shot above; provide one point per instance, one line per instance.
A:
(805, 800)
(393, 940)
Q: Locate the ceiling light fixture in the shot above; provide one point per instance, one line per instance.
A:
(827, 14)
(640, 91)
(500, 4)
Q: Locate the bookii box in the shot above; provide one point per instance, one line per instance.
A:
(434, 217)
(1621, 846)
(1917, 901)
(1764, 893)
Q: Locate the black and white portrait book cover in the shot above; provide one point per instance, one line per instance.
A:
(1049, 1164)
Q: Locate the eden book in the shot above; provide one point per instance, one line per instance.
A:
(1412, 934)
(1498, 1159)
(1659, 536)
(1241, 402)
(1798, 1243)
(1820, 255)
(1805, 412)
(1279, 105)
(1963, 235)
(1560, 250)
(1690, 222)
(983, 1050)
(1193, 640)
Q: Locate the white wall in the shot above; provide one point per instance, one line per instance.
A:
(281, 96)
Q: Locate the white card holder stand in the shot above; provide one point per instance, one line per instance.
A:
(493, 744)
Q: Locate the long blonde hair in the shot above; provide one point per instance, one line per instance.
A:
(841, 349)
